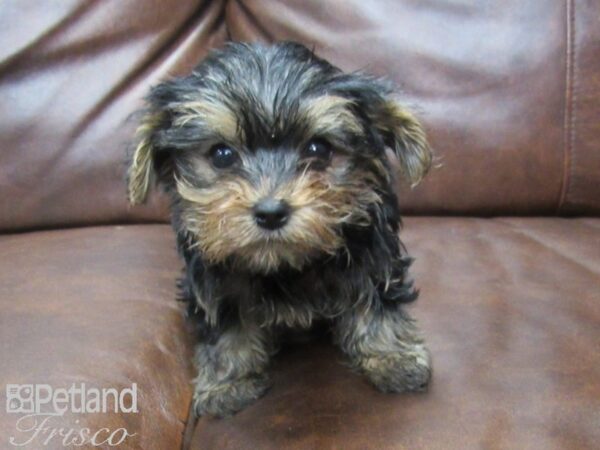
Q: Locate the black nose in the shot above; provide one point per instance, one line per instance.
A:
(271, 214)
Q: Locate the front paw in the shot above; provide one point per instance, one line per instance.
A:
(226, 398)
(409, 370)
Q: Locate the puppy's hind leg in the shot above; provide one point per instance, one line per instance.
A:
(231, 367)
(384, 344)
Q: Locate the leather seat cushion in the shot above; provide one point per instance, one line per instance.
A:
(510, 308)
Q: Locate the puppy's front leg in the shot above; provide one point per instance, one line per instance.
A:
(231, 370)
(385, 345)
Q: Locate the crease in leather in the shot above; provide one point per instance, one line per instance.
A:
(542, 243)
(590, 223)
(180, 34)
(58, 27)
(266, 34)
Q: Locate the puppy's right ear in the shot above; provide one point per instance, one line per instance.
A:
(141, 173)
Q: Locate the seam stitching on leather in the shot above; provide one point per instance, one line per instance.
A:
(569, 117)
(573, 131)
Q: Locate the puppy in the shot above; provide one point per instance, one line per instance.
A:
(283, 204)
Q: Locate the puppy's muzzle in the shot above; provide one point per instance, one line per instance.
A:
(271, 213)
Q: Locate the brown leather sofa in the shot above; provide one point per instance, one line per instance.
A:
(505, 233)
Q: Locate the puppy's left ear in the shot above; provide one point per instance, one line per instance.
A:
(141, 174)
(404, 134)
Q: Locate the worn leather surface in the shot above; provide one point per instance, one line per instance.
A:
(511, 311)
(96, 306)
(508, 91)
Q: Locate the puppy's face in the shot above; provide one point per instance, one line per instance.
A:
(270, 153)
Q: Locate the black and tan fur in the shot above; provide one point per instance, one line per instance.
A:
(338, 257)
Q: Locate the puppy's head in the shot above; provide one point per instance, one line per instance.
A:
(270, 152)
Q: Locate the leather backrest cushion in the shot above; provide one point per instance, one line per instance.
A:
(508, 91)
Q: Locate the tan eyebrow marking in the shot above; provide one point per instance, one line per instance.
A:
(215, 115)
(331, 112)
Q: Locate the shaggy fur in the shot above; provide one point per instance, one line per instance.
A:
(278, 123)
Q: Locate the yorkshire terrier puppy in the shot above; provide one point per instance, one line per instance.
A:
(284, 208)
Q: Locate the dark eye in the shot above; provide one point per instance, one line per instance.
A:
(222, 156)
(318, 148)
